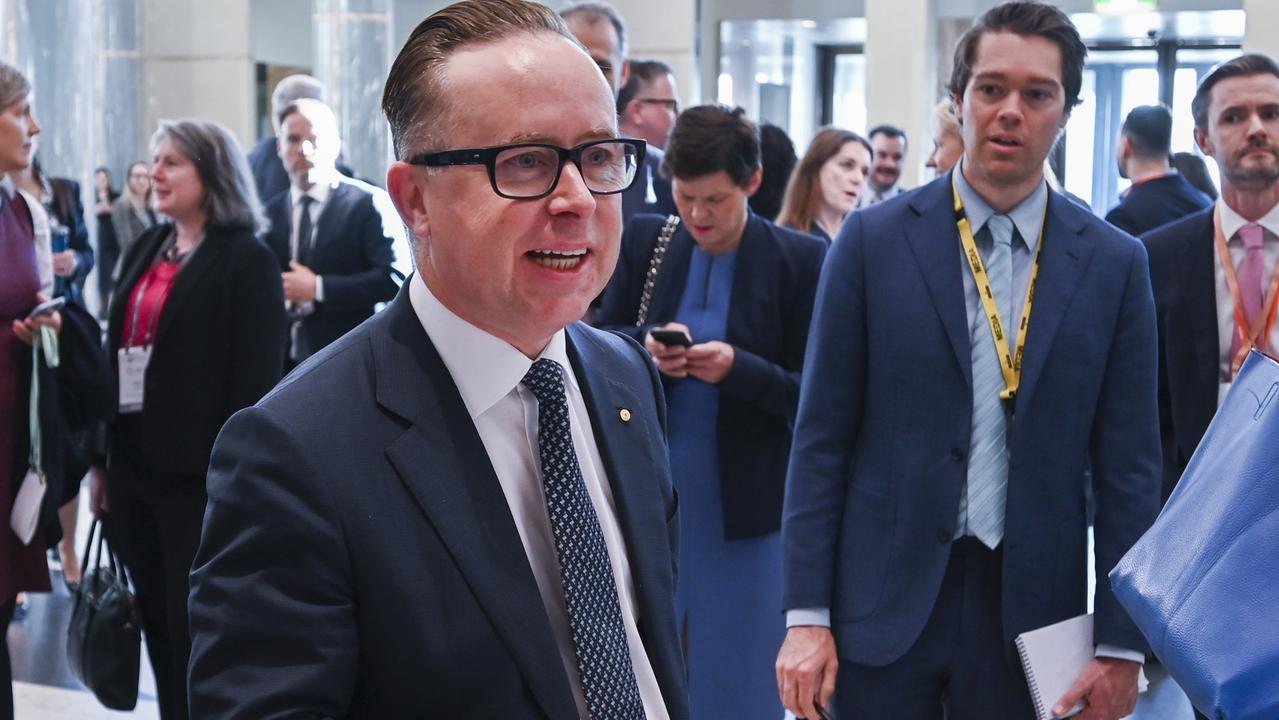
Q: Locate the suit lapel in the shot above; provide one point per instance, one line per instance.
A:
(756, 263)
(1195, 322)
(934, 241)
(671, 276)
(1066, 253)
(326, 221)
(442, 461)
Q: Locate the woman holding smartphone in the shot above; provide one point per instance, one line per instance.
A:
(726, 320)
(197, 330)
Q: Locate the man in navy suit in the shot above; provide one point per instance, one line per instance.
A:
(269, 173)
(1159, 194)
(463, 508)
(935, 499)
(1205, 326)
(331, 234)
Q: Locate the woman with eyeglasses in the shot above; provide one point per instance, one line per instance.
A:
(197, 330)
(726, 320)
(827, 183)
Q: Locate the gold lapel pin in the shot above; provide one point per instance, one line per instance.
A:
(625, 415)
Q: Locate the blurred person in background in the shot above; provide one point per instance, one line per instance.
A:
(778, 159)
(108, 247)
(889, 142)
(739, 292)
(948, 139)
(269, 175)
(131, 215)
(69, 236)
(1158, 194)
(648, 104)
(1195, 170)
(827, 183)
(196, 322)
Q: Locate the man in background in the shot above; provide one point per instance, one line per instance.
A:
(889, 144)
(1159, 194)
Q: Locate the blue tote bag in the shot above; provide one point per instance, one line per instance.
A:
(1203, 583)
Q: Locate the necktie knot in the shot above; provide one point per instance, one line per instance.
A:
(546, 381)
(1001, 229)
(1251, 235)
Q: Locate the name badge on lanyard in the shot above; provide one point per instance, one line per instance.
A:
(132, 362)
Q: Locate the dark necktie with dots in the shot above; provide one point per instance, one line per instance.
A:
(590, 595)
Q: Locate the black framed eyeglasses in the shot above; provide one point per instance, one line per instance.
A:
(528, 171)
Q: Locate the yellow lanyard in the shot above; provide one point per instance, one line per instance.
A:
(1009, 363)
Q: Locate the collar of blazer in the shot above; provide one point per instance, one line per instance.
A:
(143, 253)
(442, 461)
(933, 239)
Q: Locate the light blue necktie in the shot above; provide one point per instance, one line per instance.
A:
(987, 487)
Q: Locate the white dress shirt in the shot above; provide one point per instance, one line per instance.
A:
(1231, 221)
(487, 372)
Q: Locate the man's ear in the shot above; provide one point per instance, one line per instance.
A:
(752, 185)
(624, 75)
(406, 185)
(1205, 145)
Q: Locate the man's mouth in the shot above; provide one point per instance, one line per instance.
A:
(1005, 142)
(558, 259)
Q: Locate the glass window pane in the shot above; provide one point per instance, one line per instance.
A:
(849, 101)
(1080, 139)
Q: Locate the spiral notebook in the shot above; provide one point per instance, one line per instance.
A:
(1053, 657)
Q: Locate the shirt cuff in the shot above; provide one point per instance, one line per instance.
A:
(319, 288)
(819, 617)
(1118, 653)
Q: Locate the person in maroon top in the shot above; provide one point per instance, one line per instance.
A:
(194, 327)
(22, 567)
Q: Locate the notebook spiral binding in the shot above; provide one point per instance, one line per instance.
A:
(1041, 710)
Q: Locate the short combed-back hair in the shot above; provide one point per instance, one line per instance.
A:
(414, 100)
(777, 157)
(291, 89)
(1149, 130)
(14, 86)
(1027, 18)
(594, 12)
(709, 138)
(1242, 66)
(230, 195)
(804, 193)
(891, 131)
(643, 74)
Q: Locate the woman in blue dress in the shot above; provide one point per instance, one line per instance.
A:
(730, 304)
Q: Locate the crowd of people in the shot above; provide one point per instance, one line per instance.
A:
(789, 464)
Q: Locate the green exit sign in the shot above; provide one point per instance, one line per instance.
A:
(1123, 7)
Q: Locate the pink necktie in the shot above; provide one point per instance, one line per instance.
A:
(1251, 291)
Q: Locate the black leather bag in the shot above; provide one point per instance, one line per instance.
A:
(104, 637)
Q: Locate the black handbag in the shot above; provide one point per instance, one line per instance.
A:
(104, 637)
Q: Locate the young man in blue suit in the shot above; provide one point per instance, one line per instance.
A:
(463, 508)
(935, 498)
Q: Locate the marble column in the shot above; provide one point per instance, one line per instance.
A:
(901, 42)
(118, 88)
(352, 56)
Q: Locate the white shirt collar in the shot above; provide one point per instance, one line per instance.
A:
(7, 186)
(485, 368)
(1231, 221)
(318, 192)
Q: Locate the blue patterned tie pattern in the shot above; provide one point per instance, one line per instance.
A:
(590, 594)
(987, 487)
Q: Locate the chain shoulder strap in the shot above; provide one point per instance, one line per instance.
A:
(655, 264)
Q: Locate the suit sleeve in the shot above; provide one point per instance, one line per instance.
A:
(371, 284)
(1125, 449)
(774, 386)
(830, 412)
(258, 326)
(273, 619)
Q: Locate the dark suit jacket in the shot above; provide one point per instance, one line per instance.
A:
(1182, 274)
(217, 346)
(768, 317)
(268, 170)
(884, 426)
(350, 250)
(650, 185)
(1157, 202)
(359, 558)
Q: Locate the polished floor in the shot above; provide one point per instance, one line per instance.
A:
(44, 687)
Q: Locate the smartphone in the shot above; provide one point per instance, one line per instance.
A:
(47, 308)
(672, 337)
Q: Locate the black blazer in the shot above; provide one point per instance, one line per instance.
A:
(1182, 275)
(774, 286)
(302, 602)
(1157, 202)
(651, 192)
(217, 347)
(351, 251)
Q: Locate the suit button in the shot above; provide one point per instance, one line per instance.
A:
(943, 536)
(957, 455)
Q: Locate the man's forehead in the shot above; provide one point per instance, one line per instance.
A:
(1262, 88)
(1002, 55)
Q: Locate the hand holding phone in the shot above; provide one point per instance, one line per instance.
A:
(676, 338)
(47, 308)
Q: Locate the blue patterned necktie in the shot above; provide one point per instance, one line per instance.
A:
(590, 594)
(987, 488)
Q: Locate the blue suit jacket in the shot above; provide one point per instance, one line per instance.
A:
(359, 558)
(882, 436)
(350, 249)
(1182, 274)
(1157, 202)
(774, 283)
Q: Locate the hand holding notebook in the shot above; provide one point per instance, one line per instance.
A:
(1053, 658)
